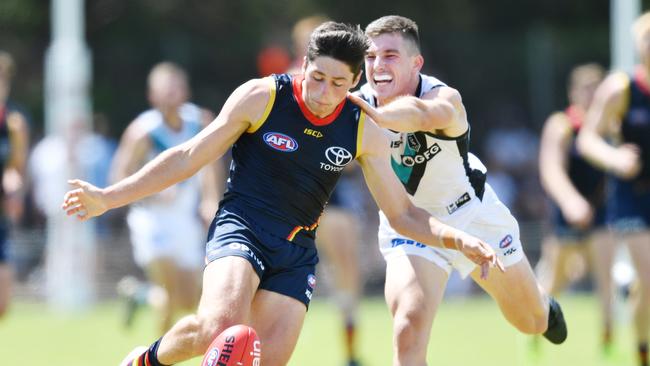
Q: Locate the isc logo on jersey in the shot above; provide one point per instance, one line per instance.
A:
(280, 142)
(337, 157)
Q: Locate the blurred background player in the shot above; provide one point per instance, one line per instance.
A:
(167, 230)
(577, 190)
(14, 140)
(620, 113)
(341, 224)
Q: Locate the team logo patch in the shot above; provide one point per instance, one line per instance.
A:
(280, 142)
(413, 142)
(338, 156)
(311, 280)
(428, 154)
(505, 242)
(212, 357)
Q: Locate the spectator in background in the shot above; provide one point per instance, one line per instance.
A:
(620, 113)
(272, 59)
(577, 190)
(167, 230)
(14, 140)
(511, 155)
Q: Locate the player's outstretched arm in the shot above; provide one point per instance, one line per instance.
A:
(603, 116)
(404, 217)
(247, 103)
(441, 108)
(555, 146)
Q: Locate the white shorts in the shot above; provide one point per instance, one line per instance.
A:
(176, 236)
(489, 220)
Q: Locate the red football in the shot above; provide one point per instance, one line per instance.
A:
(238, 345)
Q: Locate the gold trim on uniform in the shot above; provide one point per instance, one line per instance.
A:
(255, 126)
(362, 123)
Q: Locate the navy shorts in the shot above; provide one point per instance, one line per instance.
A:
(563, 230)
(282, 266)
(628, 206)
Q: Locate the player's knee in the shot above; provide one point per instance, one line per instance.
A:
(208, 328)
(409, 328)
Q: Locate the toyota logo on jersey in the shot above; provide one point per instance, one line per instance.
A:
(338, 156)
(280, 142)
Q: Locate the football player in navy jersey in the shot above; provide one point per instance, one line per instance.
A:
(14, 139)
(343, 214)
(620, 112)
(577, 190)
(291, 137)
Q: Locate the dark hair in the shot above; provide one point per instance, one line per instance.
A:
(343, 42)
(395, 24)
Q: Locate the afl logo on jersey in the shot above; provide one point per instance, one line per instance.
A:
(311, 281)
(280, 142)
(505, 242)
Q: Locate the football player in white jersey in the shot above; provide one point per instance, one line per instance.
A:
(429, 135)
(167, 230)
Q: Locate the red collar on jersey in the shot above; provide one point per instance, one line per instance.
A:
(640, 76)
(576, 115)
(315, 120)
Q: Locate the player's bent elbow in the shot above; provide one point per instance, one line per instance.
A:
(401, 223)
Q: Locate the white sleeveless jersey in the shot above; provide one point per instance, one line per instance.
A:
(183, 197)
(437, 171)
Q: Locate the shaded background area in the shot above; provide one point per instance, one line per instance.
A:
(508, 59)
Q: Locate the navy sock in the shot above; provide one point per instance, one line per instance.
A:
(150, 357)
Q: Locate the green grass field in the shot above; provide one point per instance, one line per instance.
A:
(466, 332)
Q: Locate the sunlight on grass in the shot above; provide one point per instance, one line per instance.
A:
(466, 332)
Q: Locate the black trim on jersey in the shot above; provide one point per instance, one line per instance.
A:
(476, 177)
(418, 90)
(447, 138)
(635, 130)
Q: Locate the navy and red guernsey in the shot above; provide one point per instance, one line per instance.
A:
(286, 165)
(587, 179)
(635, 126)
